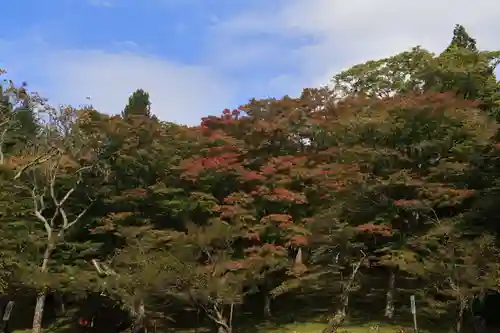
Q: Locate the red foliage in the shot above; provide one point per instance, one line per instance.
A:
(238, 198)
(254, 236)
(223, 162)
(283, 194)
(299, 241)
(271, 169)
(135, 193)
(376, 229)
(233, 211)
(405, 203)
(235, 265)
(277, 218)
(248, 176)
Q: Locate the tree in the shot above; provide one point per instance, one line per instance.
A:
(461, 39)
(17, 119)
(343, 198)
(460, 68)
(459, 268)
(214, 273)
(53, 171)
(138, 105)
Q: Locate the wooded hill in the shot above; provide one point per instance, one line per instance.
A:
(337, 204)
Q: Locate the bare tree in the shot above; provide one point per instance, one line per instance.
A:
(52, 172)
(56, 223)
(338, 319)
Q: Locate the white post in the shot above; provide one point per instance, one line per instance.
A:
(414, 312)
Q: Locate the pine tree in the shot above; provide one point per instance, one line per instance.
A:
(138, 104)
(461, 39)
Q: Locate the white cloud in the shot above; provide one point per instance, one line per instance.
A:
(343, 33)
(179, 92)
(301, 42)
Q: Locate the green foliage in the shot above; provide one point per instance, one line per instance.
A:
(384, 186)
(138, 105)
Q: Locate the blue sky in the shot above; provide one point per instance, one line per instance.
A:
(197, 57)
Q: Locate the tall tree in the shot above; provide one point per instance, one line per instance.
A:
(52, 172)
(138, 105)
(461, 39)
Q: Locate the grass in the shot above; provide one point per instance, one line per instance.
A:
(308, 327)
(315, 327)
(297, 327)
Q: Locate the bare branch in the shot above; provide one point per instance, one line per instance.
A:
(355, 272)
(39, 207)
(66, 223)
(38, 160)
(5, 122)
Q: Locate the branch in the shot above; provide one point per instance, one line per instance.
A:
(39, 207)
(5, 122)
(38, 160)
(102, 269)
(354, 272)
(219, 319)
(59, 204)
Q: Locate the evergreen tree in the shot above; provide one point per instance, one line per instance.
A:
(461, 39)
(138, 104)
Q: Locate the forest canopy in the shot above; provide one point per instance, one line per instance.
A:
(336, 204)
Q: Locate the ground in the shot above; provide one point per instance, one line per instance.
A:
(306, 328)
(318, 327)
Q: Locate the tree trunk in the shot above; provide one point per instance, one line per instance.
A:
(40, 300)
(344, 307)
(37, 318)
(223, 322)
(139, 315)
(460, 317)
(61, 306)
(267, 305)
(223, 329)
(338, 319)
(334, 323)
(391, 290)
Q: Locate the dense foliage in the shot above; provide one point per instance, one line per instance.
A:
(352, 197)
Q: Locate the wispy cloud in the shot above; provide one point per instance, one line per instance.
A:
(179, 92)
(197, 57)
(339, 33)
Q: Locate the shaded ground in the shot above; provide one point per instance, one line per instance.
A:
(310, 327)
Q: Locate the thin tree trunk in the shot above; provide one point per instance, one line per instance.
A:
(40, 300)
(226, 328)
(139, 315)
(338, 319)
(391, 290)
(223, 329)
(224, 323)
(460, 318)
(61, 306)
(267, 305)
(37, 318)
(344, 306)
